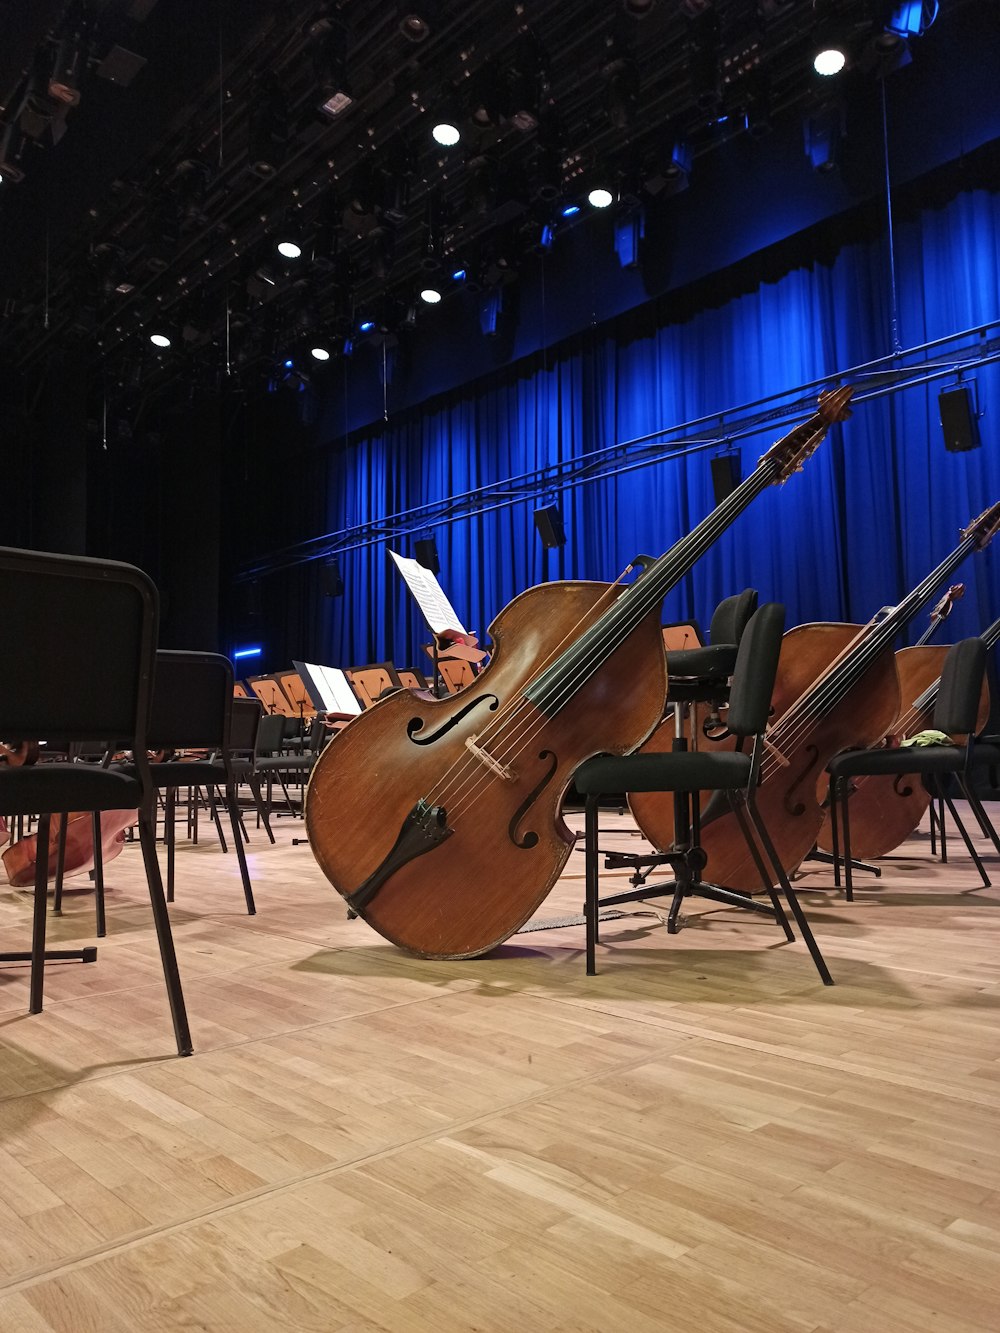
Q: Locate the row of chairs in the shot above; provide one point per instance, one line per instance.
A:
(740, 668)
(80, 668)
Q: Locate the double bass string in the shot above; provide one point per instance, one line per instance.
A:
(587, 652)
(853, 664)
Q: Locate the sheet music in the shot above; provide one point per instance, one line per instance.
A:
(332, 688)
(429, 596)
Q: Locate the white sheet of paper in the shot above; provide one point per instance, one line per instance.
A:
(429, 596)
(336, 695)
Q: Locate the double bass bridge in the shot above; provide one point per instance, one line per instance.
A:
(488, 761)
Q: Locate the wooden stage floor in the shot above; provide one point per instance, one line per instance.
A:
(701, 1139)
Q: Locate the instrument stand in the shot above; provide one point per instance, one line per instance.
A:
(686, 857)
(828, 859)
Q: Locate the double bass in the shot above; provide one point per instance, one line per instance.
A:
(439, 820)
(836, 688)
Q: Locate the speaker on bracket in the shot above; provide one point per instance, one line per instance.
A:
(549, 523)
(426, 552)
(331, 579)
(958, 420)
(725, 475)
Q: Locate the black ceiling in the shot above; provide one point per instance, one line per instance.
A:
(158, 198)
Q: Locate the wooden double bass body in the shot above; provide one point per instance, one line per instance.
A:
(836, 688)
(508, 842)
(788, 797)
(887, 808)
(439, 820)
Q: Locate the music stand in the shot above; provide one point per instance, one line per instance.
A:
(271, 695)
(451, 638)
(294, 687)
(682, 635)
(329, 690)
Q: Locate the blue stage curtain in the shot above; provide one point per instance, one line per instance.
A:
(873, 511)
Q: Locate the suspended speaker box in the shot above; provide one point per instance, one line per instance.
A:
(427, 555)
(331, 580)
(958, 420)
(549, 523)
(725, 475)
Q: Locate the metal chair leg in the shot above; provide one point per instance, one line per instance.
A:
(57, 892)
(765, 879)
(38, 916)
(102, 929)
(241, 856)
(164, 937)
(791, 898)
(590, 908)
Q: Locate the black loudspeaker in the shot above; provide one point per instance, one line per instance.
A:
(331, 579)
(427, 555)
(958, 420)
(725, 475)
(549, 523)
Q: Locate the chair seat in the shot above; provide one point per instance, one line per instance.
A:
(676, 771)
(183, 773)
(715, 660)
(286, 763)
(928, 758)
(47, 788)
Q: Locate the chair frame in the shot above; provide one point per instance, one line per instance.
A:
(85, 570)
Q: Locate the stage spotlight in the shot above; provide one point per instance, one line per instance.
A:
(160, 338)
(289, 249)
(445, 126)
(446, 134)
(569, 210)
(458, 275)
(366, 326)
(319, 353)
(600, 197)
(416, 21)
(430, 295)
(830, 57)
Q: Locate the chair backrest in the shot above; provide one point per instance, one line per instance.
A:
(732, 616)
(270, 733)
(192, 701)
(957, 704)
(243, 729)
(77, 656)
(755, 670)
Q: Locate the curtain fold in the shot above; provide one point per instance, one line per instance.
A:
(873, 511)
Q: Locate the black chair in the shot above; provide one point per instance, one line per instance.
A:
(734, 773)
(245, 724)
(955, 711)
(703, 673)
(192, 710)
(273, 764)
(80, 668)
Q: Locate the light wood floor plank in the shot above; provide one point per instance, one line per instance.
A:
(701, 1138)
